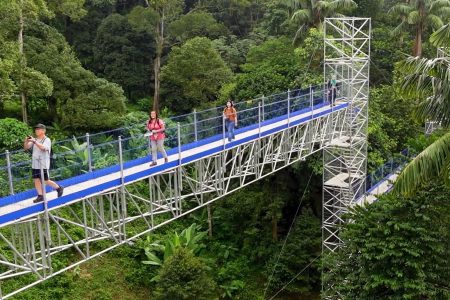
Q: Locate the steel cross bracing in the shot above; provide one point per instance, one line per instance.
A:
(33, 249)
(346, 52)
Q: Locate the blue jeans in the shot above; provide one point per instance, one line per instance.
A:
(230, 128)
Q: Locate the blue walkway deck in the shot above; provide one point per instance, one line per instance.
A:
(20, 206)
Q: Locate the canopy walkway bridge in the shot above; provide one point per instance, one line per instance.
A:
(113, 196)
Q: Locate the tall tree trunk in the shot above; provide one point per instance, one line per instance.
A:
(274, 227)
(210, 228)
(418, 42)
(157, 67)
(274, 213)
(22, 66)
(52, 107)
(419, 29)
(157, 63)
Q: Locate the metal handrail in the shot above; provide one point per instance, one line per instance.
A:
(189, 132)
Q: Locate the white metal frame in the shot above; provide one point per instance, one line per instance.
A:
(94, 225)
(347, 57)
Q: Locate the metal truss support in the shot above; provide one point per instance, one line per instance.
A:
(347, 59)
(93, 226)
(346, 52)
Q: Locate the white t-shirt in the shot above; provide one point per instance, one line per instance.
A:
(41, 156)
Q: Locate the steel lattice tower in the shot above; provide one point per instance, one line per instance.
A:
(347, 59)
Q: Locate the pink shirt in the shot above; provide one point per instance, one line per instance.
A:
(156, 125)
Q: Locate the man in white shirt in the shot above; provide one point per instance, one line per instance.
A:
(41, 147)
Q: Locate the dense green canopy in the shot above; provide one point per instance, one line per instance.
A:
(92, 65)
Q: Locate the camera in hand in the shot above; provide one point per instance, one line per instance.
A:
(29, 137)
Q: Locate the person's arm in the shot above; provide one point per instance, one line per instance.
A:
(28, 143)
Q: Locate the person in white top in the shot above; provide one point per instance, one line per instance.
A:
(41, 147)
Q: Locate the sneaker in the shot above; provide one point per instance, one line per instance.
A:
(39, 198)
(153, 164)
(60, 191)
(166, 160)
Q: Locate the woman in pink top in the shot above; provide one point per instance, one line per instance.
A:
(156, 128)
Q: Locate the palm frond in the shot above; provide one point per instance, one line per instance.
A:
(338, 15)
(302, 15)
(437, 5)
(304, 3)
(429, 164)
(444, 13)
(292, 4)
(338, 5)
(413, 17)
(446, 173)
(441, 37)
(322, 5)
(433, 108)
(400, 10)
(403, 26)
(428, 79)
(298, 34)
(434, 21)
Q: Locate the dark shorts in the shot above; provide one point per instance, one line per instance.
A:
(36, 173)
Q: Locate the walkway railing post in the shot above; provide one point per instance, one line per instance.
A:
(288, 107)
(88, 143)
(179, 142)
(195, 124)
(223, 131)
(10, 178)
(121, 160)
(311, 101)
(179, 181)
(262, 108)
(257, 156)
(122, 187)
(259, 119)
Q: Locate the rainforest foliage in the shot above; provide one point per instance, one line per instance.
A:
(95, 65)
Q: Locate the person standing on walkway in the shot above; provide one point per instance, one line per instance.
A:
(41, 147)
(230, 116)
(332, 90)
(156, 128)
